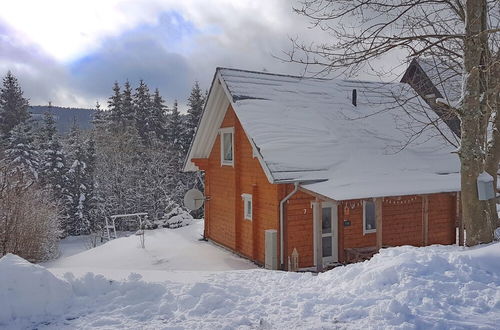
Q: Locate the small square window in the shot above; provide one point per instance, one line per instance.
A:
(227, 145)
(248, 207)
(369, 221)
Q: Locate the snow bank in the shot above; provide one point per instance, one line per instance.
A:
(436, 287)
(28, 291)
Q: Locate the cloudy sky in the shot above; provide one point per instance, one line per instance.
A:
(71, 52)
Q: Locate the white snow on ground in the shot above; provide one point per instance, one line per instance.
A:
(170, 254)
(436, 287)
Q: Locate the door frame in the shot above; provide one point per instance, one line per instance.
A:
(317, 241)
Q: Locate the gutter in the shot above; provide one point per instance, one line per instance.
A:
(282, 226)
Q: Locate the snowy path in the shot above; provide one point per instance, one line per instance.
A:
(436, 287)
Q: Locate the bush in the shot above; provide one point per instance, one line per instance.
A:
(175, 217)
(29, 218)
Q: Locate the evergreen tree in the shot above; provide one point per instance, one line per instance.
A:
(48, 131)
(158, 115)
(89, 182)
(13, 105)
(196, 102)
(127, 103)
(100, 118)
(142, 109)
(21, 153)
(174, 132)
(53, 163)
(78, 221)
(115, 105)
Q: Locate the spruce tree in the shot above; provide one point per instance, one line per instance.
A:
(174, 132)
(13, 105)
(21, 153)
(158, 115)
(142, 109)
(76, 191)
(53, 163)
(196, 102)
(89, 182)
(115, 105)
(48, 130)
(127, 103)
(100, 118)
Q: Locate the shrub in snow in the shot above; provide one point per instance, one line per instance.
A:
(497, 234)
(30, 291)
(175, 217)
(29, 218)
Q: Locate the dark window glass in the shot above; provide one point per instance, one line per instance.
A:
(370, 223)
(327, 246)
(228, 146)
(327, 220)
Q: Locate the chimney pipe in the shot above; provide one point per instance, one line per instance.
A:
(354, 97)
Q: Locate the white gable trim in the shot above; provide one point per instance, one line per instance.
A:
(212, 116)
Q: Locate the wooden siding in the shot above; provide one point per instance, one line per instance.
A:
(402, 224)
(225, 223)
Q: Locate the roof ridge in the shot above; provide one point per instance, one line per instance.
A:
(308, 78)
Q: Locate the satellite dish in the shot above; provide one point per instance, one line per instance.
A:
(193, 199)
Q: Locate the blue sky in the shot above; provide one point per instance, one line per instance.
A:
(71, 52)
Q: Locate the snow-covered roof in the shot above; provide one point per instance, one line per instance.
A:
(445, 76)
(308, 130)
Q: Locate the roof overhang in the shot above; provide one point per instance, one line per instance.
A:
(218, 100)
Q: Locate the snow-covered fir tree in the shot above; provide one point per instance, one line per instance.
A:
(89, 181)
(21, 154)
(142, 106)
(52, 159)
(100, 118)
(196, 102)
(77, 190)
(13, 105)
(174, 131)
(115, 104)
(128, 103)
(158, 117)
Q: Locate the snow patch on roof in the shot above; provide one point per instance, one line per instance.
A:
(308, 129)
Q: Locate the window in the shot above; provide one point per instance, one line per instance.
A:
(227, 146)
(369, 222)
(247, 200)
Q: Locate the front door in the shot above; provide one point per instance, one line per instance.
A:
(329, 234)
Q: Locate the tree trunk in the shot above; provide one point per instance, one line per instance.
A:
(493, 155)
(478, 218)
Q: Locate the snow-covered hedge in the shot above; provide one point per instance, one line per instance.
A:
(175, 217)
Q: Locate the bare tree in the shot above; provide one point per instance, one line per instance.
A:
(465, 34)
(29, 217)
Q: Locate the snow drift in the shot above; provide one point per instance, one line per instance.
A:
(433, 287)
(28, 291)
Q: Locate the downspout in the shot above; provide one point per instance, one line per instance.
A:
(282, 226)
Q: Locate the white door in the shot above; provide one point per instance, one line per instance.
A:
(329, 233)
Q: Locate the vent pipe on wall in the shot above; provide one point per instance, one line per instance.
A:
(354, 97)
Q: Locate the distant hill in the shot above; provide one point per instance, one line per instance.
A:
(64, 117)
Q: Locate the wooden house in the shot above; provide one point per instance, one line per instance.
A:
(338, 168)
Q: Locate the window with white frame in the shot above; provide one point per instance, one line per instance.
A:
(227, 145)
(369, 221)
(248, 207)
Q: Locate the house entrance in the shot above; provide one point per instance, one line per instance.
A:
(329, 233)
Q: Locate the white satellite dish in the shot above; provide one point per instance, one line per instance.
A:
(194, 199)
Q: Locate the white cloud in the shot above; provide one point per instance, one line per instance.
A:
(244, 34)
